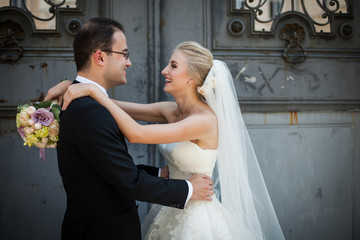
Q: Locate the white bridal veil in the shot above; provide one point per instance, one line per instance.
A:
(242, 187)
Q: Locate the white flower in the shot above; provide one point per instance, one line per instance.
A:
(30, 110)
(54, 128)
(22, 118)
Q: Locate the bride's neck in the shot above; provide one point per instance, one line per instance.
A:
(187, 105)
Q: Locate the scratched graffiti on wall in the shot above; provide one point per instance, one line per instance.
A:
(276, 80)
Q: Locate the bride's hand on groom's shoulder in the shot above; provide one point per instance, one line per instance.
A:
(203, 187)
(75, 91)
(57, 92)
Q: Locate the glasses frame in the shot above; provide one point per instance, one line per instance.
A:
(126, 55)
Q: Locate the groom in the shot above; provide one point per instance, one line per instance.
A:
(99, 176)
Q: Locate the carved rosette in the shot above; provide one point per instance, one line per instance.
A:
(10, 34)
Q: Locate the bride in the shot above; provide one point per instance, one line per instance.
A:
(201, 132)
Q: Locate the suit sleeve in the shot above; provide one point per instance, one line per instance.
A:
(153, 171)
(104, 148)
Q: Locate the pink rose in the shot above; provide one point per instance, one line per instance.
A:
(28, 130)
(30, 122)
(38, 126)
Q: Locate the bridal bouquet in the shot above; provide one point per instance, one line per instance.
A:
(38, 124)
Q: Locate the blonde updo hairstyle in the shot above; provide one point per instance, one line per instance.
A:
(199, 60)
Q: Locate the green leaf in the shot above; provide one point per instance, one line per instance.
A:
(56, 113)
(43, 104)
(56, 106)
(22, 107)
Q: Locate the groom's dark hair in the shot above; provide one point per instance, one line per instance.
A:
(93, 35)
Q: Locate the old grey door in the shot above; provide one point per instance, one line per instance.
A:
(296, 69)
(295, 65)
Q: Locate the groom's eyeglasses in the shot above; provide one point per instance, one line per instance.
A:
(126, 55)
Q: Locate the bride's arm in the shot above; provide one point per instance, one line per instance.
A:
(153, 112)
(57, 91)
(150, 112)
(193, 127)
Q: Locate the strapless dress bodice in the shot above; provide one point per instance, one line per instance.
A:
(187, 158)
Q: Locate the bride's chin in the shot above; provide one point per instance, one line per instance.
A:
(166, 89)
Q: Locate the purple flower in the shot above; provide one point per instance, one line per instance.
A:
(43, 116)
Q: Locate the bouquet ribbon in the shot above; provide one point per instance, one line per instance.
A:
(42, 154)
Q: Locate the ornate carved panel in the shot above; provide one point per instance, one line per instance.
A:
(289, 55)
(320, 15)
(44, 15)
(46, 26)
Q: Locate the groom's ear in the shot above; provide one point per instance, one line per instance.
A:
(99, 58)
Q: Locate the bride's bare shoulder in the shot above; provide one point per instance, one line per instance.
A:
(208, 112)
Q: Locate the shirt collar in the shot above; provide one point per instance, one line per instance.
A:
(85, 80)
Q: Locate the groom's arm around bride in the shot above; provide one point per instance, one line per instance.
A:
(100, 177)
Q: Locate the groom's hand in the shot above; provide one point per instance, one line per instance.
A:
(165, 172)
(203, 187)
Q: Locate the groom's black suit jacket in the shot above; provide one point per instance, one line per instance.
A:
(100, 178)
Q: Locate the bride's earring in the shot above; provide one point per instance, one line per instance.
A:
(189, 84)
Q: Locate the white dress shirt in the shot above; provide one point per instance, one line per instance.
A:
(85, 80)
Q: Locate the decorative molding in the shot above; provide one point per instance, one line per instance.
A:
(154, 67)
(67, 53)
(7, 111)
(106, 8)
(246, 105)
(271, 105)
(268, 52)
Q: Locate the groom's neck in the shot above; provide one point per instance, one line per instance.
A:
(95, 77)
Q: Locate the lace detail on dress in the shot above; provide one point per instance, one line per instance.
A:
(199, 220)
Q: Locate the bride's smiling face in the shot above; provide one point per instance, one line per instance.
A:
(176, 73)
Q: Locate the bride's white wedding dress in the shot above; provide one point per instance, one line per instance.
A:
(200, 219)
(246, 211)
